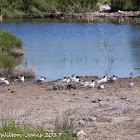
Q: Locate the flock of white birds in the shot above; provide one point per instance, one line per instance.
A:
(73, 78)
(91, 84)
(5, 82)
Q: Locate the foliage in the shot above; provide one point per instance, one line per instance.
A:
(8, 41)
(6, 61)
(125, 5)
(35, 8)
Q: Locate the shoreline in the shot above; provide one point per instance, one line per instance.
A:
(61, 15)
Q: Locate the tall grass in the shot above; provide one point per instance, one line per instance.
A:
(22, 132)
(8, 41)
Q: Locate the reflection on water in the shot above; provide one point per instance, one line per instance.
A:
(56, 49)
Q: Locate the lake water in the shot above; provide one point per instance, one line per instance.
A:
(61, 48)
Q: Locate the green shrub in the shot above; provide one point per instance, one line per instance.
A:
(107, 2)
(35, 12)
(125, 5)
(6, 13)
(17, 14)
(6, 61)
(8, 41)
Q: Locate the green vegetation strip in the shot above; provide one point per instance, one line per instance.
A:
(10, 131)
(37, 8)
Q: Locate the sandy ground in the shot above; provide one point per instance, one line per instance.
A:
(117, 107)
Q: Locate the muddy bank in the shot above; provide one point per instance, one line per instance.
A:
(91, 15)
(116, 107)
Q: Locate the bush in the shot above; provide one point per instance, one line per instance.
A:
(6, 61)
(35, 12)
(8, 41)
(125, 5)
(6, 13)
(17, 14)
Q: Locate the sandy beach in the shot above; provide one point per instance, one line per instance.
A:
(117, 107)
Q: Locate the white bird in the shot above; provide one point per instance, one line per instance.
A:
(101, 87)
(76, 79)
(2, 79)
(113, 79)
(130, 84)
(68, 80)
(65, 79)
(101, 14)
(84, 83)
(103, 80)
(40, 80)
(73, 77)
(120, 12)
(81, 82)
(87, 82)
(5, 83)
(90, 85)
(21, 79)
(91, 119)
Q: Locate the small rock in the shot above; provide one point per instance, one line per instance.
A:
(94, 101)
(80, 133)
(124, 98)
(13, 91)
(99, 100)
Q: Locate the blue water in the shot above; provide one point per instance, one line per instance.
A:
(56, 49)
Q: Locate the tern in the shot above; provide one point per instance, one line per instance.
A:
(2, 79)
(5, 83)
(113, 79)
(76, 79)
(120, 12)
(68, 80)
(65, 79)
(40, 80)
(90, 85)
(101, 87)
(103, 80)
(130, 84)
(73, 77)
(21, 79)
(81, 82)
